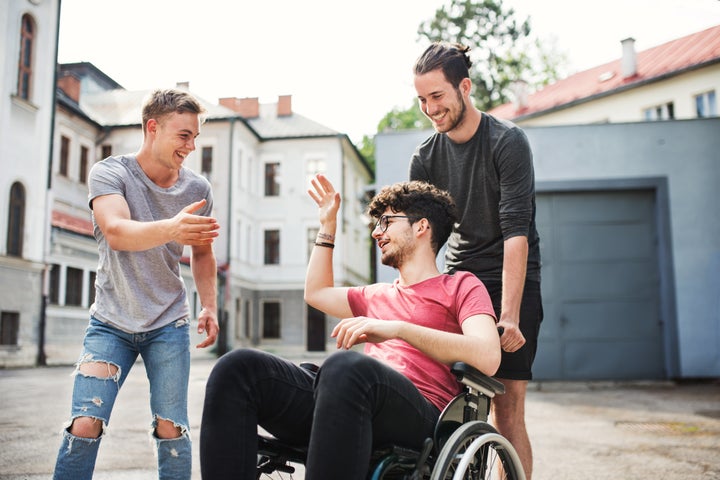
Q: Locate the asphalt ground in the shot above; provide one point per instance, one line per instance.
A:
(579, 430)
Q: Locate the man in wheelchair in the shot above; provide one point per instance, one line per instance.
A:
(393, 393)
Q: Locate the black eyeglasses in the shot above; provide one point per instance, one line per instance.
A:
(384, 221)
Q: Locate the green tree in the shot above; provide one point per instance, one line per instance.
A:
(408, 119)
(502, 50)
(366, 147)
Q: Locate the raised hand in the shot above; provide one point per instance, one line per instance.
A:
(327, 199)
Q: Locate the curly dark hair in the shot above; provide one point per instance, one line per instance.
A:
(418, 200)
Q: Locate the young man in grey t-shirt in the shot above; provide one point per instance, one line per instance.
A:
(146, 208)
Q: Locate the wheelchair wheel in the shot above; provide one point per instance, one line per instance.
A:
(477, 452)
(276, 469)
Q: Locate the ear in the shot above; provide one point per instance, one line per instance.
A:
(152, 125)
(422, 226)
(465, 86)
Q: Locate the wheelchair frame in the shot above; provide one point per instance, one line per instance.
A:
(464, 446)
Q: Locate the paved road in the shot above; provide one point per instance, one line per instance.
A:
(600, 430)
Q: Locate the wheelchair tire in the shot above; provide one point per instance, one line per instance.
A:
(477, 452)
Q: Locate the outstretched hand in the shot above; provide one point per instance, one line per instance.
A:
(327, 199)
(190, 229)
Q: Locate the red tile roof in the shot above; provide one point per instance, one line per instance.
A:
(671, 58)
(62, 220)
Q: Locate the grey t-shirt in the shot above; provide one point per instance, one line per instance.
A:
(142, 291)
(492, 180)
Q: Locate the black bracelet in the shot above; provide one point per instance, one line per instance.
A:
(325, 244)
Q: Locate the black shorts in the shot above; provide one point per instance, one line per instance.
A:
(518, 365)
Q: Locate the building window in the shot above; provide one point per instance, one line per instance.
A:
(247, 319)
(666, 111)
(25, 61)
(311, 237)
(64, 155)
(9, 328)
(313, 167)
(84, 154)
(73, 286)
(271, 320)
(54, 285)
(272, 179)
(91, 287)
(706, 105)
(106, 151)
(272, 247)
(206, 168)
(16, 221)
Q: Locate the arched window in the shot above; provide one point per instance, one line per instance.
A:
(16, 220)
(25, 61)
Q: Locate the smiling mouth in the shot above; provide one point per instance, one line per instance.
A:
(439, 118)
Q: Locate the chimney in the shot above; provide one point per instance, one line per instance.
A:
(70, 84)
(248, 107)
(629, 59)
(519, 89)
(284, 106)
(183, 86)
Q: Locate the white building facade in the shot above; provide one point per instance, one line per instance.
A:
(258, 158)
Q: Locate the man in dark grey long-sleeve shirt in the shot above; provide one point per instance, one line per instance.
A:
(486, 165)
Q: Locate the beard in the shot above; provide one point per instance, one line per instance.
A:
(454, 117)
(395, 257)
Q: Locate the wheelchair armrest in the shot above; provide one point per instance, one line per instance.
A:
(472, 377)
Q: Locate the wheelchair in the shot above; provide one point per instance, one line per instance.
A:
(464, 446)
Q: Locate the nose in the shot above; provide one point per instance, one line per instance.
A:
(431, 108)
(376, 232)
(190, 144)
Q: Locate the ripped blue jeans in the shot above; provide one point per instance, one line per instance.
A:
(166, 355)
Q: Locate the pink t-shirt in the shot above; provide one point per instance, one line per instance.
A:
(442, 303)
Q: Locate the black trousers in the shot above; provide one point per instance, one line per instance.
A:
(354, 404)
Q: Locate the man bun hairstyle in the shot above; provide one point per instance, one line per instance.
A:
(452, 58)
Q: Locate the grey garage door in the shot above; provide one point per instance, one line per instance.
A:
(600, 286)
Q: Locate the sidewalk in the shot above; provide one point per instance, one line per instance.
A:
(598, 430)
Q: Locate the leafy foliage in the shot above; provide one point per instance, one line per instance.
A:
(502, 50)
(408, 119)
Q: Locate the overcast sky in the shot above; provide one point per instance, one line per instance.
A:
(345, 63)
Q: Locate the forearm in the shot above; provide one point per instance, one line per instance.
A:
(133, 236)
(319, 273)
(204, 270)
(513, 277)
(481, 351)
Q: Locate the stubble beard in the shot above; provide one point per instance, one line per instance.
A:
(457, 121)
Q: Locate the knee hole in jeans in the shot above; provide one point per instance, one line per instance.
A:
(164, 428)
(86, 427)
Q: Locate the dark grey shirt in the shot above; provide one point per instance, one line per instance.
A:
(492, 180)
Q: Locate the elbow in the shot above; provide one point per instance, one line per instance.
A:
(309, 298)
(488, 362)
(114, 236)
(114, 242)
(494, 364)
